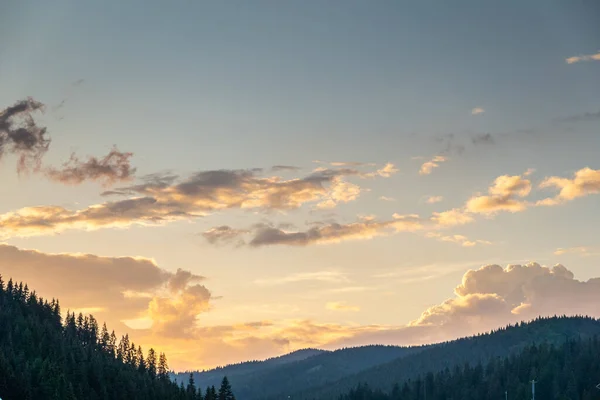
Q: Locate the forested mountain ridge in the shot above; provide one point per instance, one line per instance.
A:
(43, 358)
(283, 375)
(569, 371)
(214, 376)
(472, 350)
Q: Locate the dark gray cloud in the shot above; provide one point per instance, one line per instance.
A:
(482, 138)
(112, 168)
(225, 235)
(265, 234)
(587, 116)
(285, 168)
(20, 135)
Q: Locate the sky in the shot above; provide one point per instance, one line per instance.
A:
(227, 181)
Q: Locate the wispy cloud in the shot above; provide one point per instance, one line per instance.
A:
(319, 276)
(341, 306)
(477, 111)
(458, 239)
(386, 198)
(20, 135)
(110, 169)
(583, 57)
(434, 199)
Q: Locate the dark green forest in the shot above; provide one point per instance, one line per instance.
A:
(478, 349)
(43, 356)
(569, 371)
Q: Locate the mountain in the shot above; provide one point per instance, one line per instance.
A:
(471, 350)
(42, 358)
(284, 375)
(235, 371)
(567, 371)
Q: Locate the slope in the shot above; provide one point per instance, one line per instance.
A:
(40, 358)
(472, 350)
(567, 371)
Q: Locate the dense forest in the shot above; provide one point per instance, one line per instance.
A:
(44, 357)
(569, 371)
(477, 349)
(282, 376)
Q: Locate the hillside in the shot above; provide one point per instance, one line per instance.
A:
(567, 371)
(274, 378)
(42, 358)
(472, 350)
(234, 371)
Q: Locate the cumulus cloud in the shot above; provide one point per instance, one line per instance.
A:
(477, 111)
(491, 297)
(119, 288)
(110, 169)
(428, 167)
(583, 57)
(21, 136)
(586, 181)
(164, 198)
(505, 194)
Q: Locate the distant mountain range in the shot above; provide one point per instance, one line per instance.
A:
(317, 374)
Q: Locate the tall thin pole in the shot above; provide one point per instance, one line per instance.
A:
(533, 382)
(506, 394)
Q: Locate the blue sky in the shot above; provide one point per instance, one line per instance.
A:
(197, 86)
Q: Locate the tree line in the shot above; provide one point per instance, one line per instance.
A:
(43, 356)
(569, 371)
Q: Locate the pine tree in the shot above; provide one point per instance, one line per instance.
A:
(225, 392)
(163, 367)
(151, 363)
(191, 388)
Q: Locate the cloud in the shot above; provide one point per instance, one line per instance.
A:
(587, 116)
(434, 199)
(318, 276)
(224, 235)
(491, 297)
(581, 250)
(20, 135)
(341, 306)
(452, 217)
(503, 195)
(285, 168)
(385, 198)
(458, 239)
(429, 166)
(583, 57)
(118, 288)
(477, 111)
(335, 232)
(164, 198)
(386, 171)
(348, 164)
(112, 168)
(482, 138)
(586, 181)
